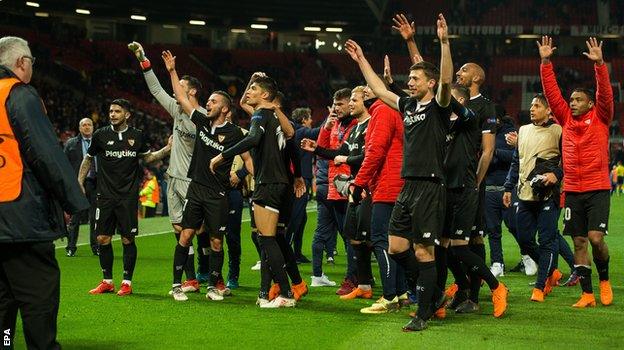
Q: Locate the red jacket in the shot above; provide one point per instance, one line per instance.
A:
(381, 169)
(585, 141)
(333, 139)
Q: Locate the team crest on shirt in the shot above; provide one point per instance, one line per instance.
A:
(131, 142)
(221, 138)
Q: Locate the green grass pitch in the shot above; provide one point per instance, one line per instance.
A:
(150, 319)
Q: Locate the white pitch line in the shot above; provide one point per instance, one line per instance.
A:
(118, 238)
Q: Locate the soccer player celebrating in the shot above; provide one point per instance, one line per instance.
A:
(357, 219)
(585, 147)
(418, 214)
(118, 148)
(462, 203)
(206, 199)
(268, 139)
(384, 154)
(472, 76)
(535, 170)
(181, 149)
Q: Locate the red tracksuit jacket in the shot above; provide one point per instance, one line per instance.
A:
(585, 141)
(381, 169)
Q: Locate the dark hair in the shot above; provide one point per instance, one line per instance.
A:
(123, 103)
(430, 70)
(542, 99)
(300, 114)
(226, 97)
(280, 97)
(588, 92)
(342, 94)
(461, 90)
(267, 84)
(193, 83)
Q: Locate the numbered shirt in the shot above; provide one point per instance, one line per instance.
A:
(425, 127)
(210, 141)
(268, 156)
(118, 153)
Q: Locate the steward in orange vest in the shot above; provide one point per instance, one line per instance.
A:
(36, 180)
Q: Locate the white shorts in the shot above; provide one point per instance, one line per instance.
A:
(176, 195)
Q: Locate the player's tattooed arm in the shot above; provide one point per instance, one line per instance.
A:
(160, 154)
(83, 171)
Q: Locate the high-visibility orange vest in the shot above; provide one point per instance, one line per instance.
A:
(154, 197)
(156, 192)
(11, 167)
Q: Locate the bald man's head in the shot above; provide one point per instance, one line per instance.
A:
(470, 73)
(85, 126)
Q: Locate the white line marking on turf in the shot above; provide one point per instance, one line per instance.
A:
(158, 233)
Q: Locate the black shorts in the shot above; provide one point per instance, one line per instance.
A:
(462, 205)
(478, 226)
(418, 214)
(357, 225)
(204, 205)
(584, 212)
(271, 196)
(117, 214)
(620, 180)
(285, 211)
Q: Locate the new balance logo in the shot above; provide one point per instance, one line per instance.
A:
(427, 235)
(547, 208)
(603, 225)
(110, 142)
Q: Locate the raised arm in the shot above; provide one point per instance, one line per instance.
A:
(443, 96)
(285, 124)
(374, 82)
(169, 103)
(407, 31)
(604, 92)
(178, 90)
(558, 105)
